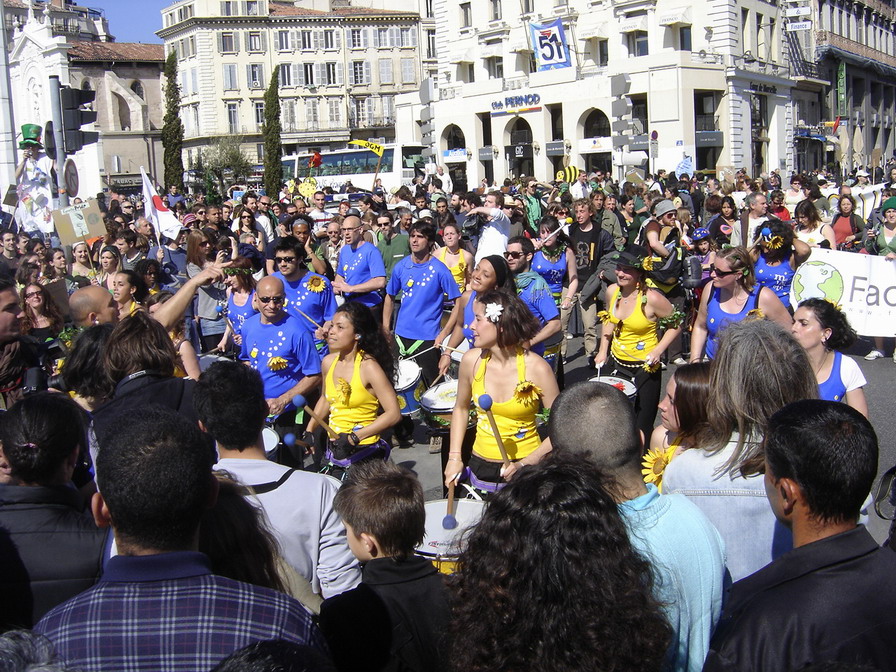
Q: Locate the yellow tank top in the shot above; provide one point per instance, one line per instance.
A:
(352, 406)
(635, 336)
(458, 271)
(515, 417)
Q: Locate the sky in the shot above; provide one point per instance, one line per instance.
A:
(132, 21)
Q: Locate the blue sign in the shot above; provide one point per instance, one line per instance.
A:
(549, 44)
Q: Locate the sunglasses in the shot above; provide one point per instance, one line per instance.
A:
(267, 299)
(346, 229)
(284, 260)
(31, 295)
(513, 255)
(721, 274)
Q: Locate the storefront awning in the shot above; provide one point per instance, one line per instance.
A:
(591, 28)
(490, 50)
(633, 24)
(677, 16)
(467, 56)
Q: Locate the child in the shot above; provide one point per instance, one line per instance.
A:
(705, 248)
(394, 620)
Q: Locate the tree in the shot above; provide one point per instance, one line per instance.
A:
(225, 162)
(173, 127)
(270, 130)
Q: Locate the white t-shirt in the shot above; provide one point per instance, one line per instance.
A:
(321, 219)
(579, 190)
(851, 375)
(493, 239)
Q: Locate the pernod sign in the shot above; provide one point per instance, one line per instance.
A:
(514, 102)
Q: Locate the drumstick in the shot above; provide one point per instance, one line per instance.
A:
(300, 402)
(449, 522)
(485, 403)
(309, 319)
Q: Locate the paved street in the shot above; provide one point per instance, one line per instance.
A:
(880, 375)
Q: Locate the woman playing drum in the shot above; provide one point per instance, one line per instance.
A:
(519, 382)
(357, 383)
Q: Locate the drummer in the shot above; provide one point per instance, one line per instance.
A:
(424, 282)
(490, 273)
(632, 342)
(357, 384)
(520, 384)
(309, 296)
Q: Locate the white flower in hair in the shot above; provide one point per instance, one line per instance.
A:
(493, 312)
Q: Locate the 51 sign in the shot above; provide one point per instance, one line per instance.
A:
(549, 44)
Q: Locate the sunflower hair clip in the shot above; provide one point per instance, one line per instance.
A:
(836, 305)
(493, 312)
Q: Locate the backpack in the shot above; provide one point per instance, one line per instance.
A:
(668, 271)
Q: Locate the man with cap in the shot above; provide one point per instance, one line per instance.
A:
(862, 179)
(34, 183)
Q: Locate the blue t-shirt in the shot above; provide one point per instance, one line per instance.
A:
(423, 287)
(777, 278)
(313, 295)
(359, 266)
(287, 340)
(239, 314)
(469, 317)
(553, 272)
(537, 297)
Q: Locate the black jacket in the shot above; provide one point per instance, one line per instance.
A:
(50, 550)
(831, 600)
(393, 621)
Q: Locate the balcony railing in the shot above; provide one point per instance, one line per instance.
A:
(513, 83)
(827, 37)
(371, 121)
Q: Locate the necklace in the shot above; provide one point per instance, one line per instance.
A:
(824, 359)
(553, 256)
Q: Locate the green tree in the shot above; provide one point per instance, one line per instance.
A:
(173, 127)
(270, 130)
(225, 162)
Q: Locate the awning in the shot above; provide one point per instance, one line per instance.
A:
(468, 56)
(633, 24)
(672, 17)
(518, 43)
(591, 28)
(490, 50)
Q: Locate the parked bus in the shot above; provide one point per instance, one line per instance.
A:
(357, 165)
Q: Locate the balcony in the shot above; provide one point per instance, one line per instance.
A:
(514, 83)
(370, 121)
(823, 37)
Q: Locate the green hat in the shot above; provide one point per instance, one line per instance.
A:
(31, 137)
(889, 204)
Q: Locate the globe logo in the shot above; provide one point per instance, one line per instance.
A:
(816, 280)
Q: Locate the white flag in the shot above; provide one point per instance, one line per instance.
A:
(157, 212)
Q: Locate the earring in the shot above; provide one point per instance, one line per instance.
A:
(357, 337)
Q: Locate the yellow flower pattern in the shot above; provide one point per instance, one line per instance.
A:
(277, 363)
(527, 393)
(654, 464)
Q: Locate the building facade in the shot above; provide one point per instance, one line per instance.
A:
(340, 67)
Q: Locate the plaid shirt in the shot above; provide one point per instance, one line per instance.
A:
(168, 612)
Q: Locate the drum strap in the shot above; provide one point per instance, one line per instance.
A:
(487, 486)
(363, 452)
(262, 488)
(407, 352)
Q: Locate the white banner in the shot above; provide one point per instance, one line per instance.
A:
(866, 198)
(864, 286)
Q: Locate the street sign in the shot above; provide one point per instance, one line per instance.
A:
(654, 135)
(70, 178)
(620, 85)
(799, 25)
(621, 107)
(791, 12)
(621, 125)
(654, 149)
(620, 141)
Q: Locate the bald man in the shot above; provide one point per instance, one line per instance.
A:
(282, 350)
(360, 273)
(92, 305)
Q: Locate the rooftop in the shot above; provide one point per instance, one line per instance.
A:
(289, 9)
(116, 51)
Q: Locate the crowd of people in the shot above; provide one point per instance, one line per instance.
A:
(196, 467)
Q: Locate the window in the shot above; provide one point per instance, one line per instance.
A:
(430, 44)
(253, 42)
(307, 40)
(283, 40)
(408, 71)
(288, 113)
(382, 37)
(408, 37)
(285, 74)
(233, 118)
(259, 113)
(252, 8)
(226, 43)
(388, 103)
(228, 8)
(309, 74)
(358, 38)
(527, 6)
(334, 111)
(495, 10)
(602, 51)
(495, 67)
(684, 38)
(466, 15)
(311, 111)
(194, 81)
(259, 152)
(427, 12)
(191, 46)
(255, 73)
(230, 80)
(386, 71)
(637, 43)
(360, 72)
(468, 72)
(334, 74)
(331, 39)
(195, 111)
(362, 111)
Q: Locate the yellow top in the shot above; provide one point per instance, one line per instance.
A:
(458, 271)
(352, 406)
(635, 336)
(515, 417)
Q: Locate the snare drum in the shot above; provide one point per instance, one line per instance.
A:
(437, 405)
(552, 350)
(207, 359)
(443, 546)
(457, 355)
(409, 386)
(271, 441)
(626, 386)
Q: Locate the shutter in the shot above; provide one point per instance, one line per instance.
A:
(365, 38)
(337, 39)
(249, 76)
(318, 40)
(366, 72)
(395, 37)
(264, 42)
(220, 37)
(293, 39)
(246, 41)
(375, 35)
(320, 74)
(299, 74)
(414, 37)
(340, 78)
(262, 81)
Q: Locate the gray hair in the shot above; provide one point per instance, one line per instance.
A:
(758, 370)
(750, 200)
(23, 650)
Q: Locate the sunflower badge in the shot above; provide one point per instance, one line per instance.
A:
(756, 314)
(527, 393)
(315, 284)
(276, 363)
(603, 315)
(651, 368)
(647, 264)
(343, 391)
(654, 464)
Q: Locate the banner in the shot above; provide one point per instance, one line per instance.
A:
(864, 286)
(157, 212)
(866, 198)
(549, 44)
(79, 222)
(372, 146)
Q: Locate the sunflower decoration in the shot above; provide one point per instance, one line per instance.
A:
(603, 315)
(775, 242)
(527, 393)
(654, 464)
(647, 264)
(651, 368)
(276, 363)
(343, 391)
(835, 304)
(315, 284)
(68, 335)
(756, 314)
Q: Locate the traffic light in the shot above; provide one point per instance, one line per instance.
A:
(73, 117)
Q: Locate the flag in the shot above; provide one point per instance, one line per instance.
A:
(549, 45)
(836, 126)
(372, 146)
(315, 160)
(157, 212)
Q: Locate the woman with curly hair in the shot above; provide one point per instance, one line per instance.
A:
(520, 384)
(549, 580)
(357, 383)
(40, 316)
(811, 229)
(776, 255)
(823, 331)
(129, 292)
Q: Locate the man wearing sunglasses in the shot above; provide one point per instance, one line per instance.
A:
(360, 274)
(282, 350)
(534, 291)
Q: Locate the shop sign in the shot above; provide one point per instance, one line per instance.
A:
(519, 151)
(528, 102)
(710, 139)
(486, 153)
(555, 148)
(454, 155)
(592, 145)
(756, 87)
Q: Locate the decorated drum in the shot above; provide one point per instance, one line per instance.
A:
(409, 386)
(443, 546)
(437, 405)
(626, 386)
